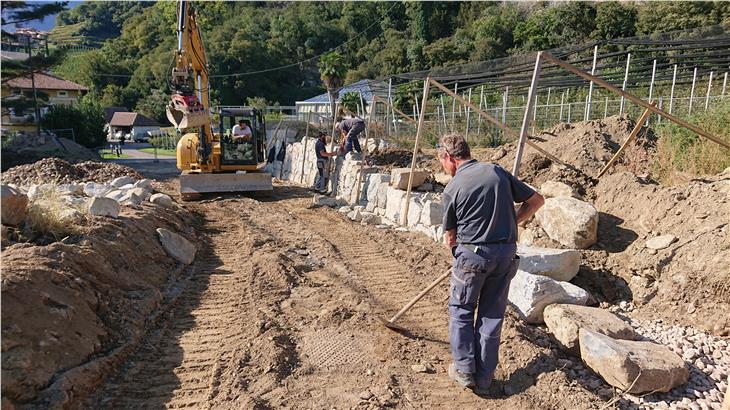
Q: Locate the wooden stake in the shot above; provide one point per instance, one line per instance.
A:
(426, 87)
(671, 93)
(362, 159)
(531, 98)
(629, 139)
(626, 79)
(590, 87)
(692, 90)
(304, 153)
(709, 87)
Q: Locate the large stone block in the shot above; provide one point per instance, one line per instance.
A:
(99, 206)
(121, 181)
(395, 204)
(373, 183)
(635, 367)
(559, 264)
(564, 322)
(554, 189)
(13, 205)
(399, 177)
(570, 221)
(530, 294)
(162, 199)
(93, 189)
(415, 208)
(176, 246)
(433, 213)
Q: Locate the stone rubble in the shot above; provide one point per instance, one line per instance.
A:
(13, 205)
(565, 321)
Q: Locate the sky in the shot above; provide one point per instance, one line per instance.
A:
(47, 23)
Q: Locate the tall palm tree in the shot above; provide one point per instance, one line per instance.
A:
(332, 70)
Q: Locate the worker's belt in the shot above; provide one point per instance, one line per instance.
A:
(475, 247)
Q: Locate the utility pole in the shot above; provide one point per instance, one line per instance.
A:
(32, 82)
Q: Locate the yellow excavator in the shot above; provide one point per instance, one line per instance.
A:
(210, 157)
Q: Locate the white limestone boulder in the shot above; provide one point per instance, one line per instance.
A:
(355, 215)
(399, 177)
(432, 214)
(395, 204)
(565, 321)
(530, 294)
(92, 189)
(632, 366)
(115, 195)
(121, 181)
(162, 199)
(145, 184)
(559, 264)
(99, 206)
(176, 246)
(13, 205)
(555, 189)
(569, 221)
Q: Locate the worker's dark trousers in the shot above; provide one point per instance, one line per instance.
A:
(320, 182)
(481, 279)
(352, 138)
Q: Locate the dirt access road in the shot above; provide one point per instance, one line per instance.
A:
(279, 311)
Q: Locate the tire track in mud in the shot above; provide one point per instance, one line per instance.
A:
(203, 334)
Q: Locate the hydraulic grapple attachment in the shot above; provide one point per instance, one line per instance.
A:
(185, 111)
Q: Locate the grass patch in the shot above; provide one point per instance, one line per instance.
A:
(107, 154)
(51, 218)
(681, 153)
(160, 152)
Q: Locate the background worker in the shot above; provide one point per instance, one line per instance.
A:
(351, 128)
(480, 226)
(241, 131)
(323, 159)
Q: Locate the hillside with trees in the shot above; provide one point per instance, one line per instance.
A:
(244, 40)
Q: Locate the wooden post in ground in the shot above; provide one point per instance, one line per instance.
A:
(362, 159)
(692, 91)
(671, 93)
(590, 87)
(304, 150)
(453, 106)
(531, 96)
(636, 100)
(426, 87)
(387, 122)
(709, 87)
(468, 111)
(724, 84)
(629, 139)
(479, 118)
(562, 100)
(626, 80)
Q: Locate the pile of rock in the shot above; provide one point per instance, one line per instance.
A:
(75, 201)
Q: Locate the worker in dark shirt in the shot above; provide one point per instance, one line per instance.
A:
(323, 157)
(480, 227)
(351, 128)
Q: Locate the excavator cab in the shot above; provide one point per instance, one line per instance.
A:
(236, 151)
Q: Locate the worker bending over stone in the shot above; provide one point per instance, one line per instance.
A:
(480, 226)
(351, 128)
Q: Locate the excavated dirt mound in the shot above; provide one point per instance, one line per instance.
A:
(28, 149)
(70, 312)
(54, 170)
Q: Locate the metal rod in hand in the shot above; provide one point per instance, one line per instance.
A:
(420, 296)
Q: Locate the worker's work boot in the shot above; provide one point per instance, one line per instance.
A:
(463, 379)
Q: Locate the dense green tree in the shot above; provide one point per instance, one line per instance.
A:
(614, 20)
(153, 105)
(86, 118)
(681, 15)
